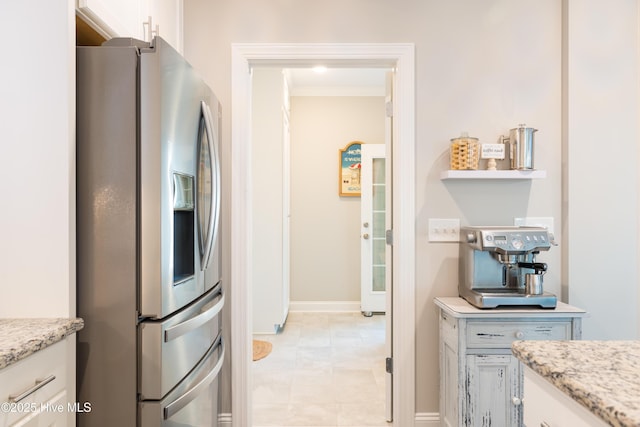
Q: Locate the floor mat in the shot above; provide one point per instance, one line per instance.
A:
(261, 349)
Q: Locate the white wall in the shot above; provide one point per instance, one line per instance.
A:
(325, 228)
(483, 67)
(601, 133)
(37, 172)
(493, 72)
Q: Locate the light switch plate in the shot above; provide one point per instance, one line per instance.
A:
(546, 222)
(444, 229)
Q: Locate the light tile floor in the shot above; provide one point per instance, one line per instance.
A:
(325, 369)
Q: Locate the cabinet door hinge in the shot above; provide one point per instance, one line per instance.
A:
(389, 365)
(389, 108)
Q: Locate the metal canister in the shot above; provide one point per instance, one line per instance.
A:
(521, 147)
(533, 284)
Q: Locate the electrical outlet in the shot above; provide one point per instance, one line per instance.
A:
(444, 230)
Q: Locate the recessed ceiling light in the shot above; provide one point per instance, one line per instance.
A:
(320, 69)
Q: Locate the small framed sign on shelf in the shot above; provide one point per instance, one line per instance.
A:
(350, 158)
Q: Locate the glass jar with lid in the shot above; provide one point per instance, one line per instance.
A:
(464, 152)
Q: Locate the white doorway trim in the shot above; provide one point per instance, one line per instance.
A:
(399, 56)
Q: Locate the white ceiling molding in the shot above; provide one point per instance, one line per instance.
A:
(337, 91)
(337, 82)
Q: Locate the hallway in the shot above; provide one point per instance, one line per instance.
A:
(325, 369)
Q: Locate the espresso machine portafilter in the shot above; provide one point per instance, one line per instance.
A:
(498, 266)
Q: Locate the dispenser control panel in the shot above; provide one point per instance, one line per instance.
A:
(508, 239)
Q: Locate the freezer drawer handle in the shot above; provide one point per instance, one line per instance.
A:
(172, 408)
(195, 322)
(14, 398)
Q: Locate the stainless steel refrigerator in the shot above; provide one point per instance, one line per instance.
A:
(149, 286)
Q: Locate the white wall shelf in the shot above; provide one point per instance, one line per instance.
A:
(497, 174)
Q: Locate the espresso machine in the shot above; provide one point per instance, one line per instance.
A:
(498, 266)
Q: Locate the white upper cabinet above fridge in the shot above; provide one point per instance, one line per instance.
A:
(140, 19)
(112, 18)
(163, 18)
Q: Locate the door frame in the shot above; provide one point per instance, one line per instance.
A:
(400, 57)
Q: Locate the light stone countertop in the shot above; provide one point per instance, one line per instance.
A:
(458, 307)
(603, 376)
(19, 338)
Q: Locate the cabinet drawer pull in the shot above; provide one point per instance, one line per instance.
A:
(39, 384)
(516, 401)
(519, 335)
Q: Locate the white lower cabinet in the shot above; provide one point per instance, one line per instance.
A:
(546, 406)
(481, 382)
(35, 392)
(493, 389)
(47, 417)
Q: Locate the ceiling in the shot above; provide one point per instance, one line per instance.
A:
(337, 82)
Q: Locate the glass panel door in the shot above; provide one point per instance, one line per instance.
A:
(373, 241)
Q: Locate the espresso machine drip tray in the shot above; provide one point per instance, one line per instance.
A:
(494, 298)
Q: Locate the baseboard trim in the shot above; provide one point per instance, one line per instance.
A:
(423, 419)
(427, 419)
(224, 420)
(324, 306)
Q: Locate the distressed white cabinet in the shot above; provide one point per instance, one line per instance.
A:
(481, 382)
(492, 382)
(140, 19)
(36, 391)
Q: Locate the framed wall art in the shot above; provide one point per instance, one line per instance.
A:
(350, 158)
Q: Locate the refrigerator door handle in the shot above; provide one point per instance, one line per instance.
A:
(212, 226)
(195, 322)
(172, 408)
